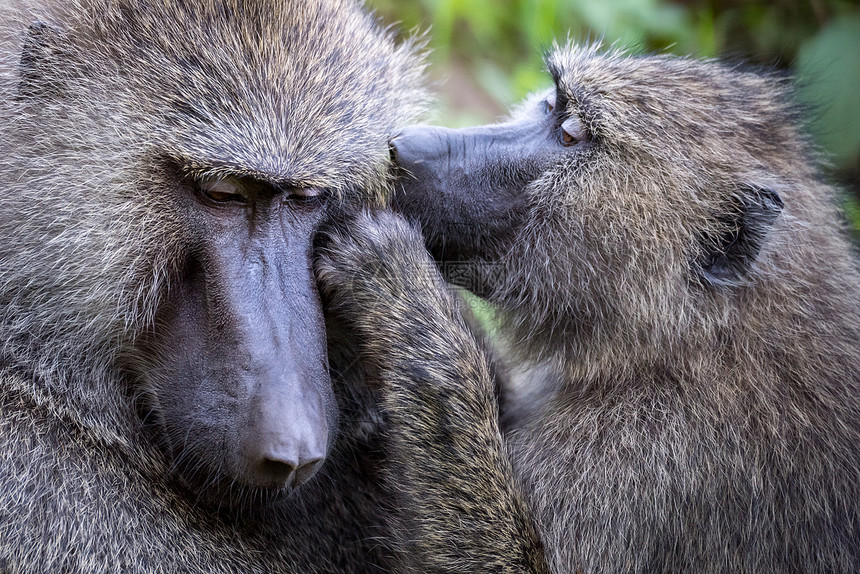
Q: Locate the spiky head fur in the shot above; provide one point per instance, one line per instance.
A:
(113, 102)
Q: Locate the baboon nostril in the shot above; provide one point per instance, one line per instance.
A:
(392, 151)
(277, 472)
(306, 471)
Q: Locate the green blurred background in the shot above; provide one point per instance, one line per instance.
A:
(486, 54)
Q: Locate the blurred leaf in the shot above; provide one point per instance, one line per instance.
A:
(852, 212)
(706, 30)
(496, 82)
(829, 66)
(529, 79)
(484, 312)
(631, 21)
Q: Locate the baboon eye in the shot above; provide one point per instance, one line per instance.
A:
(572, 131)
(549, 103)
(225, 190)
(305, 194)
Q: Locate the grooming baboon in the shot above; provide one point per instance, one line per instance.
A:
(164, 386)
(673, 275)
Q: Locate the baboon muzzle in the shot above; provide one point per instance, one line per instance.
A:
(466, 186)
(246, 347)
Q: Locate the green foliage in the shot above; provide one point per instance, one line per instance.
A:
(852, 211)
(484, 312)
(829, 64)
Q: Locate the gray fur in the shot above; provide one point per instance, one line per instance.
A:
(697, 427)
(458, 506)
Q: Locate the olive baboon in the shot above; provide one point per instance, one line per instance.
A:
(164, 381)
(683, 306)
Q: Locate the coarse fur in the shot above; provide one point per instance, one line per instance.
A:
(456, 505)
(677, 288)
(113, 105)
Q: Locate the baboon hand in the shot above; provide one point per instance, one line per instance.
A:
(374, 270)
(443, 439)
(377, 277)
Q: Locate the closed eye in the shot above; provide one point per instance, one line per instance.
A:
(224, 190)
(573, 131)
(306, 194)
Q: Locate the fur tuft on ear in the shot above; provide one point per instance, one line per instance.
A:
(727, 257)
(42, 49)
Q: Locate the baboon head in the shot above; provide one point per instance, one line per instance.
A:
(167, 164)
(631, 209)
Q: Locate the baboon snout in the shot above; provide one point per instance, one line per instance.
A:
(275, 467)
(419, 145)
(253, 405)
(465, 186)
(287, 436)
(288, 473)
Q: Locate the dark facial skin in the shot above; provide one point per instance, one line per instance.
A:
(242, 375)
(466, 186)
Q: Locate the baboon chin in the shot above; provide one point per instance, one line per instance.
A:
(680, 310)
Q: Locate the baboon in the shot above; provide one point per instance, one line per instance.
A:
(679, 306)
(167, 404)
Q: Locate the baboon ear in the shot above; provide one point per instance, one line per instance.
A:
(40, 59)
(727, 256)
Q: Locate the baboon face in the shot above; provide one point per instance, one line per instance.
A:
(179, 159)
(239, 337)
(636, 186)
